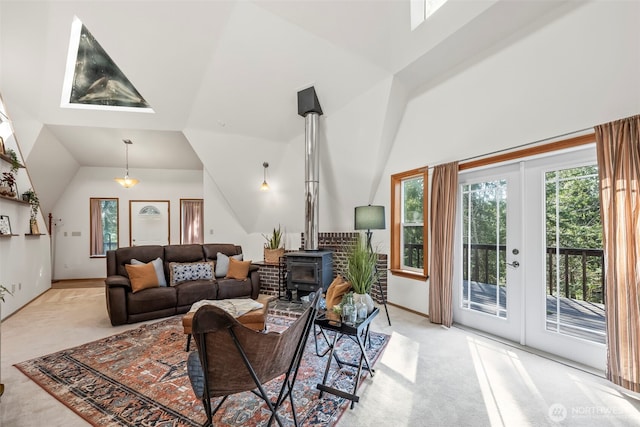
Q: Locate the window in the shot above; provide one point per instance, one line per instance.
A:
(191, 221)
(104, 226)
(420, 10)
(409, 228)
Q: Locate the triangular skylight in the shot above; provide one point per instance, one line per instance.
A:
(92, 78)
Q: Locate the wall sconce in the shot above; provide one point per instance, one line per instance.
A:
(127, 181)
(264, 186)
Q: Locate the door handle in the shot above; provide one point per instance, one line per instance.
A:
(514, 264)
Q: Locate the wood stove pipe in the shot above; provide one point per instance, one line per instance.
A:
(309, 108)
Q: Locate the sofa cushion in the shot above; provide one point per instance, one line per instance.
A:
(157, 265)
(150, 300)
(181, 253)
(142, 277)
(194, 291)
(211, 250)
(185, 272)
(232, 288)
(238, 269)
(222, 263)
(123, 256)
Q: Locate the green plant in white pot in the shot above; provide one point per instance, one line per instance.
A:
(274, 248)
(361, 271)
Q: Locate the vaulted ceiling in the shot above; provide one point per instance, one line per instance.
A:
(229, 67)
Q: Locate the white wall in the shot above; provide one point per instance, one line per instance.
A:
(24, 259)
(71, 253)
(575, 73)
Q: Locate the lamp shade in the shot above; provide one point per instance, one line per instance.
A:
(369, 218)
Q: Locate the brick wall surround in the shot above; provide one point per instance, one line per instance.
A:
(338, 243)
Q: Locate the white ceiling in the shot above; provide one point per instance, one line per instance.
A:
(230, 67)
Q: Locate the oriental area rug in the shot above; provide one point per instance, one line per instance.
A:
(139, 377)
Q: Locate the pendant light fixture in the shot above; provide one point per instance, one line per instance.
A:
(127, 182)
(264, 186)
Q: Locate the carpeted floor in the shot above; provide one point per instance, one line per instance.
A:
(139, 377)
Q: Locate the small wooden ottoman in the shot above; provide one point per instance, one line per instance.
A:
(255, 319)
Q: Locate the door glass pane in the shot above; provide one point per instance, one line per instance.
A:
(574, 255)
(484, 238)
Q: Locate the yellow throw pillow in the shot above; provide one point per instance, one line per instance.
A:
(238, 270)
(336, 291)
(142, 276)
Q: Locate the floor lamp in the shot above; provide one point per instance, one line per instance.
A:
(372, 218)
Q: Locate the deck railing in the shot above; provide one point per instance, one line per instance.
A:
(581, 270)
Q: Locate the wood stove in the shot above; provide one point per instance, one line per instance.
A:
(308, 271)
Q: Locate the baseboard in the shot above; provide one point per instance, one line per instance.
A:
(408, 309)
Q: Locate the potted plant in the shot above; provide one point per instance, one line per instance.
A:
(15, 164)
(361, 271)
(7, 184)
(31, 197)
(274, 248)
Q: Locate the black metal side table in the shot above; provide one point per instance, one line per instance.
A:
(358, 333)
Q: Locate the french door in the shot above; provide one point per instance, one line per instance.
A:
(565, 262)
(528, 265)
(488, 272)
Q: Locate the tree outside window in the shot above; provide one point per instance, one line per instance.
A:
(409, 231)
(104, 226)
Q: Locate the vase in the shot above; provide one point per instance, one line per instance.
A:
(366, 298)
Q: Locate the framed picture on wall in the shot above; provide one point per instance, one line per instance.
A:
(5, 225)
(2, 150)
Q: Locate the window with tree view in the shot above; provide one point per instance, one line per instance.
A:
(409, 231)
(412, 223)
(104, 225)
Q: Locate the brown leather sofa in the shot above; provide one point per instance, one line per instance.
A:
(125, 306)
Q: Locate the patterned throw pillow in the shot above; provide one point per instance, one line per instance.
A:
(184, 272)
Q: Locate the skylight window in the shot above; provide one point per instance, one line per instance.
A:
(423, 9)
(92, 78)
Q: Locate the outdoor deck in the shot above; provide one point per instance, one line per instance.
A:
(578, 318)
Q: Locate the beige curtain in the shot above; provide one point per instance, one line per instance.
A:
(618, 148)
(192, 221)
(97, 239)
(444, 190)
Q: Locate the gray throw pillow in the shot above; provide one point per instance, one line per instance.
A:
(222, 263)
(157, 265)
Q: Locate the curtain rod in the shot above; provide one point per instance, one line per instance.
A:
(526, 144)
